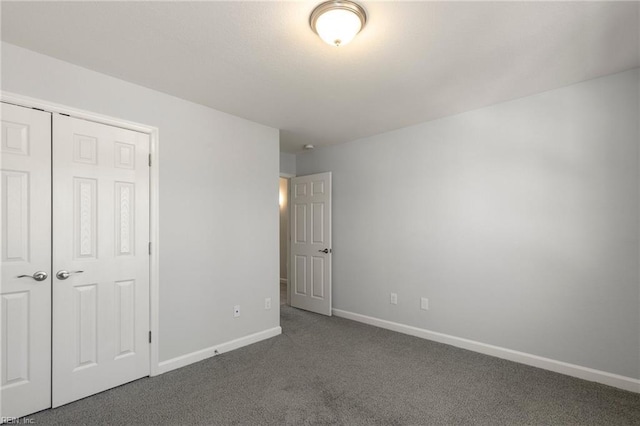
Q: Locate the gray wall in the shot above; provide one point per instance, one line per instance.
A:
(218, 200)
(287, 163)
(518, 221)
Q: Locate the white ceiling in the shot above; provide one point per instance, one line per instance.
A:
(413, 62)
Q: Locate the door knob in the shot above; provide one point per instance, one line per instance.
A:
(38, 276)
(327, 251)
(63, 275)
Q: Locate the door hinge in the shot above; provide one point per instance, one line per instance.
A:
(149, 247)
(149, 160)
(149, 337)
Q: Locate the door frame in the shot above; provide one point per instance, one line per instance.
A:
(154, 192)
(288, 177)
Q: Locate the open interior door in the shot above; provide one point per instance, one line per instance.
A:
(310, 222)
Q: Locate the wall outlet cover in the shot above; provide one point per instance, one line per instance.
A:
(236, 311)
(424, 303)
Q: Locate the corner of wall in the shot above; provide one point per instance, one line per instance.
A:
(288, 163)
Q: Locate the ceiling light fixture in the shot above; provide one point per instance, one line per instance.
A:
(337, 21)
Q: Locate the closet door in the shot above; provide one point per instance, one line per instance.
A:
(25, 290)
(100, 257)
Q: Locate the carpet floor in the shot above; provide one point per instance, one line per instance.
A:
(329, 370)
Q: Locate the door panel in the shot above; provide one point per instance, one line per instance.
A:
(311, 235)
(101, 232)
(25, 311)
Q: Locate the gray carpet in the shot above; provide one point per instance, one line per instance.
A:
(335, 371)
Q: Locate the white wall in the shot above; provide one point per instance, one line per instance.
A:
(287, 163)
(518, 221)
(218, 199)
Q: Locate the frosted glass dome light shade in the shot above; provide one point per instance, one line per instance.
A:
(338, 27)
(337, 22)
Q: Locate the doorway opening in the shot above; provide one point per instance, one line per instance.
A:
(284, 240)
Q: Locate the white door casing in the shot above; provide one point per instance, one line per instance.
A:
(100, 227)
(310, 222)
(25, 311)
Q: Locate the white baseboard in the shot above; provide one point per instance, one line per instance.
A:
(187, 359)
(615, 380)
(283, 280)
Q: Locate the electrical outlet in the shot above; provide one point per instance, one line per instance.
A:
(236, 311)
(424, 303)
(394, 299)
(267, 303)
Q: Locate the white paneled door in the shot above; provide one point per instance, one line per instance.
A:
(310, 223)
(25, 312)
(92, 291)
(100, 257)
